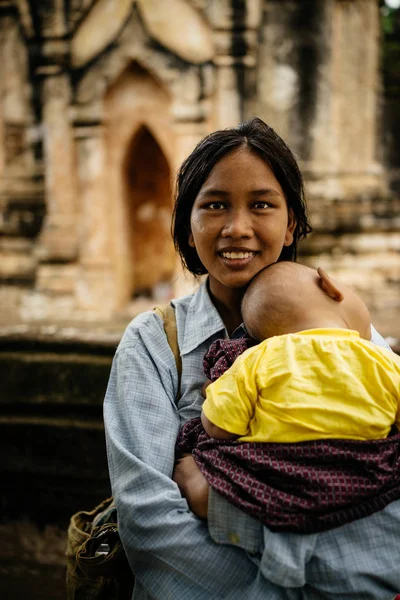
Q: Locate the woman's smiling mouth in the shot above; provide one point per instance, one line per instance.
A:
(237, 255)
(237, 259)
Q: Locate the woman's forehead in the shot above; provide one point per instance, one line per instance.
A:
(242, 167)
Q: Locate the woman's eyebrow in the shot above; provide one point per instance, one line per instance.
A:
(210, 193)
(265, 192)
(213, 192)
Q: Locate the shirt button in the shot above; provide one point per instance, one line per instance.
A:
(234, 538)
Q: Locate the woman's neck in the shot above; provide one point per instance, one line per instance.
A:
(228, 305)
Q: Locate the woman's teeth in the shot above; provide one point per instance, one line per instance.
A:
(237, 254)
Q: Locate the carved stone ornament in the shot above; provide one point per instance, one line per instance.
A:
(178, 27)
(175, 24)
(98, 29)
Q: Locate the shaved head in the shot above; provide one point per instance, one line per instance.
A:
(287, 297)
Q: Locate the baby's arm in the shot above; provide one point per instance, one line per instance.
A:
(211, 429)
(215, 431)
(230, 400)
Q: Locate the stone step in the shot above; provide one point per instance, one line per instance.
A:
(52, 445)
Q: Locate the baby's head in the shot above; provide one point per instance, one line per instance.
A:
(287, 297)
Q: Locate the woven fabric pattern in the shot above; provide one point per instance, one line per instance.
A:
(306, 487)
(222, 354)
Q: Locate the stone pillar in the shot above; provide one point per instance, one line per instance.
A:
(294, 47)
(343, 157)
(95, 286)
(58, 240)
(313, 91)
(356, 88)
(57, 246)
(1, 131)
(236, 28)
(21, 199)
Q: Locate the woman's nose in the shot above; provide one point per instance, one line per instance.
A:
(238, 224)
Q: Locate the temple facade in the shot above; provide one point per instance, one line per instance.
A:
(100, 101)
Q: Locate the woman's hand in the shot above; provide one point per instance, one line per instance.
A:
(192, 484)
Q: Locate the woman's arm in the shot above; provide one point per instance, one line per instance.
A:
(192, 484)
(168, 547)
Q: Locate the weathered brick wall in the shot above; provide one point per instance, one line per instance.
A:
(81, 240)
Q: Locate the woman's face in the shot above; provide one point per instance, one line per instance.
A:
(239, 221)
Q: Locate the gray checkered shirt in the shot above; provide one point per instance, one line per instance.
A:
(175, 555)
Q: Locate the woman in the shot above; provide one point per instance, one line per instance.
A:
(239, 208)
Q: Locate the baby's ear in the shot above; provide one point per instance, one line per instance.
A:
(329, 286)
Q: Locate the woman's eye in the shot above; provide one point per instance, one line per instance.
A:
(261, 205)
(215, 206)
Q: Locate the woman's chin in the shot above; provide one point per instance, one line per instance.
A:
(240, 278)
(233, 281)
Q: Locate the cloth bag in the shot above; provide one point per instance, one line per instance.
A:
(97, 566)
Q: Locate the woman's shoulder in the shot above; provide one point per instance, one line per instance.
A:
(150, 324)
(143, 324)
(196, 318)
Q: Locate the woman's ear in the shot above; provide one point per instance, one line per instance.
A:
(191, 240)
(329, 286)
(290, 229)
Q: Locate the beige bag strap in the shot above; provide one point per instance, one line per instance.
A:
(167, 314)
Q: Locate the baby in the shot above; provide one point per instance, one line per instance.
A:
(302, 425)
(315, 374)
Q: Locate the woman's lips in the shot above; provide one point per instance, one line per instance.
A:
(237, 259)
(237, 255)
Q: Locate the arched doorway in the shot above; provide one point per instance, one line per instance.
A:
(147, 194)
(140, 148)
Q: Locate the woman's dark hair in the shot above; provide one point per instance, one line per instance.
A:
(260, 139)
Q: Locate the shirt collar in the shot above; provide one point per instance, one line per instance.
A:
(239, 332)
(202, 321)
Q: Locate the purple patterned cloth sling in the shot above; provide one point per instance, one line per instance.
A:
(304, 487)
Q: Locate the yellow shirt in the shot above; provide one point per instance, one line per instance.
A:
(315, 384)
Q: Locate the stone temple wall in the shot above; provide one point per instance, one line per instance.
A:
(101, 101)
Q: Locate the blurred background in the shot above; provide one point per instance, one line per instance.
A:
(100, 101)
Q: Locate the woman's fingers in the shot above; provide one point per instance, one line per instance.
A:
(192, 485)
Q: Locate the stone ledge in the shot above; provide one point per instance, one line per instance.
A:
(84, 336)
